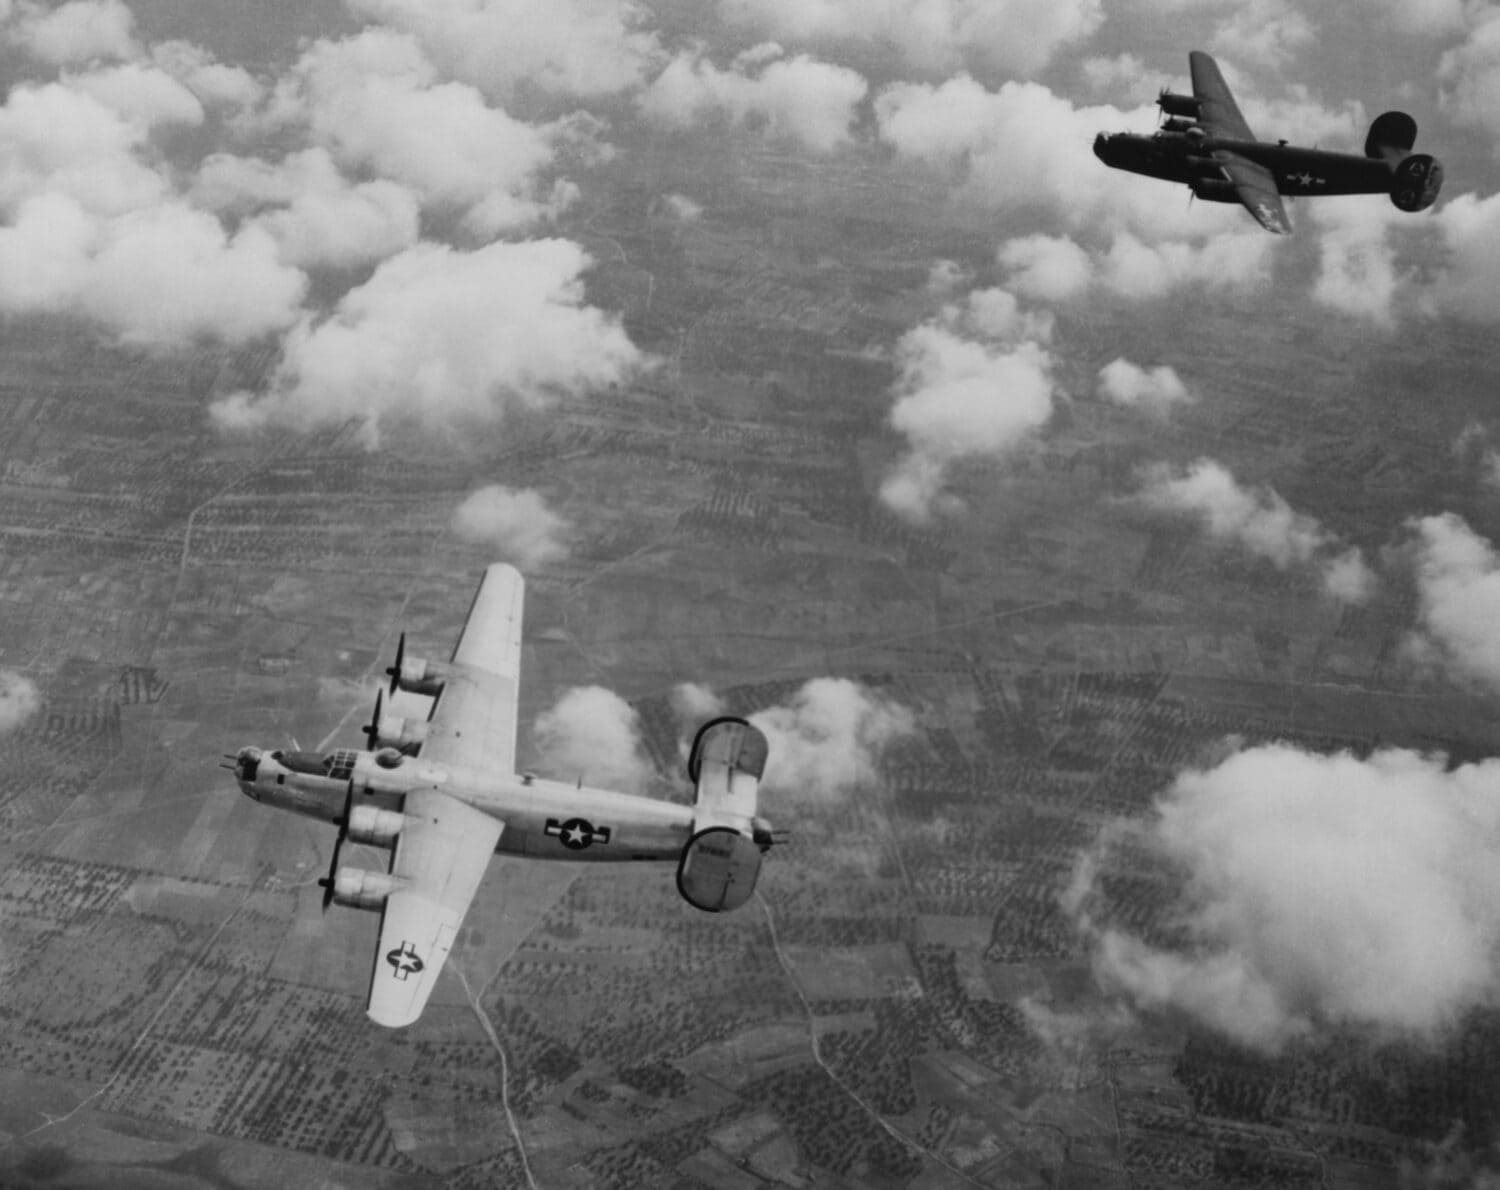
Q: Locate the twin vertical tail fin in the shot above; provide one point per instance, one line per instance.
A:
(721, 861)
(1416, 178)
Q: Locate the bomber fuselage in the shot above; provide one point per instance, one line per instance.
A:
(543, 819)
(1189, 158)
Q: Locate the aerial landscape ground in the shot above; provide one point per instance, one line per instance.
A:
(922, 993)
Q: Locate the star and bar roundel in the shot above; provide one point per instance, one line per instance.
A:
(576, 833)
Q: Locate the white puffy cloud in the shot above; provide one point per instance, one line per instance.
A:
(1156, 390)
(1458, 597)
(1357, 271)
(592, 735)
(936, 37)
(516, 522)
(1470, 76)
(1045, 268)
(1259, 521)
(76, 32)
(143, 95)
(695, 704)
(828, 740)
(977, 381)
(799, 98)
(1267, 33)
(562, 47)
(376, 104)
(19, 700)
(1316, 889)
(682, 208)
(1122, 73)
(57, 140)
(56, 256)
(319, 219)
(441, 335)
(1468, 282)
(232, 90)
(1234, 259)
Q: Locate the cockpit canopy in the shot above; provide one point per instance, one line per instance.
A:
(337, 766)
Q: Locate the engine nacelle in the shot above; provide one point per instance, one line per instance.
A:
(1214, 190)
(370, 824)
(361, 889)
(1179, 124)
(1178, 105)
(396, 732)
(1417, 182)
(417, 675)
(721, 861)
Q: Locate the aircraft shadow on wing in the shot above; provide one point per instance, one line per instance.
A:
(443, 796)
(1205, 143)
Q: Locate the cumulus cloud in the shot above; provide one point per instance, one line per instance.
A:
(73, 33)
(1468, 283)
(561, 47)
(19, 700)
(799, 98)
(682, 208)
(1045, 268)
(515, 522)
(1315, 889)
(937, 37)
(1458, 597)
(1156, 390)
(1258, 521)
(694, 704)
(376, 103)
(316, 216)
(1357, 271)
(592, 735)
(828, 740)
(975, 382)
(56, 256)
(231, 90)
(1470, 76)
(440, 335)
(1137, 269)
(1267, 33)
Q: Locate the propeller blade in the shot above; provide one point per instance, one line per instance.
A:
(326, 884)
(394, 671)
(372, 728)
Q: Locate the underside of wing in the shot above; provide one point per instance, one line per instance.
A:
(474, 722)
(1218, 113)
(441, 855)
(1256, 187)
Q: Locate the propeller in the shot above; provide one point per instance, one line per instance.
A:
(394, 671)
(326, 884)
(372, 728)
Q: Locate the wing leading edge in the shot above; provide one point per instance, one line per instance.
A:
(473, 724)
(1220, 117)
(440, 860)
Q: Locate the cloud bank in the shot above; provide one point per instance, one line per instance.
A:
(828, 740)
(517, 524)
(592, 735)
(1314, 889)
(1260, 522)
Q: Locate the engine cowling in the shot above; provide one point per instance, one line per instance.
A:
(370, 824)
(358, 888)
(1214, 190)
(417, 675)
(1178, 105)
(721, 861)
(395, 732)
(1417, 182)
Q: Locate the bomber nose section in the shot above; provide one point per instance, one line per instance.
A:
(246, 769)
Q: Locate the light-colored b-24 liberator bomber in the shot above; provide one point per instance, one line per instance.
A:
(443, 796)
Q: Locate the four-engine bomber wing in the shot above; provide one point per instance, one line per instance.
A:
(1255, 186)
(1219, 116)
(441, 855)
(473, 724)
